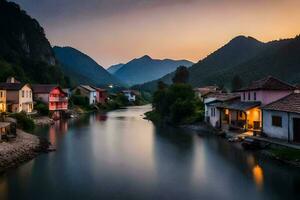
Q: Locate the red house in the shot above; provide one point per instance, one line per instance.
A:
(52, 95)
(101, 95)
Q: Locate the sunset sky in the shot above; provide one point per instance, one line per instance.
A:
(114, 31)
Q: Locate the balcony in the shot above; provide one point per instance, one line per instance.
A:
(58, 99)
(54, 108)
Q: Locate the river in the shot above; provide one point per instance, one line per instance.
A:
(120, 155)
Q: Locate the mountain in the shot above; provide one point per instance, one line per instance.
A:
(145, 69)
(83, 69)
(112, 69)
(245, 57)
(24, 48)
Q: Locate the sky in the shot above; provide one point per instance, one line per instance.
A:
(116, 31)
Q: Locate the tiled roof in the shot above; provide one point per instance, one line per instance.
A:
(223, 96)
(268, 83)
(290, 103)
(11, 86)
(41, 88)
(88, 88)
(239, 105)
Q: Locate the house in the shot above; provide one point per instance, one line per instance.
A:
(2, 100)
(246, 113)
(203, 91)
(52, 95)
(101, 95)
(86, 91)
(18, 97)
(4, 129)
(281, 119)
(130, 94)
(211, 102)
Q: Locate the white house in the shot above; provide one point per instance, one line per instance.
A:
(211, 102)
(281, 119)
(130, 94)
(86, 91)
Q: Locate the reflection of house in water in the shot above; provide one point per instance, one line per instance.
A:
(60, 127)
(101, 117)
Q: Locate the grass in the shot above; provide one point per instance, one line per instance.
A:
(286, 153)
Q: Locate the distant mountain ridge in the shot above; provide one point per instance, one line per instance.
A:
(82, 68)
(145, 69)
(245, 57)
(112, 69)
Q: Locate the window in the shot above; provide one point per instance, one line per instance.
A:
(254, 96)
(276, 121)
(244, 96)
(1, 95)
(23, 93)
(249, 96)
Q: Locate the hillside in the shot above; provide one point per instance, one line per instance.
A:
(247, 58)
(24, 48)
(112, 69)
(83, 69)
(145, 69)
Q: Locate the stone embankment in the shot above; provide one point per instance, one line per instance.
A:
(21, 149)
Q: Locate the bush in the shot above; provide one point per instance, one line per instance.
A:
(42, 108)
(80, 100)
(24, 122)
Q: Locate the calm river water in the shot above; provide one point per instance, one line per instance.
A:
(121, 156)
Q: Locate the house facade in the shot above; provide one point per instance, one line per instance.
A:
(245, 113)
(211, 103)
(281, 119)
(101, 95)
(2, 100)
(130, 94)
(86, 91)
(18, 97)
(52, 95)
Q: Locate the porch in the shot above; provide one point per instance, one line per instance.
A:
(241, 117)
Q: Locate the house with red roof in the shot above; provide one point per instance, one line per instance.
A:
(281, 118)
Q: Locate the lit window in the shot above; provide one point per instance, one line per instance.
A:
(277, 121)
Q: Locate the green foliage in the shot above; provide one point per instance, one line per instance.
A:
(177, 103)
(42, 108)
(181, 75)
(24, 122)
(236, 83)
(79, 100)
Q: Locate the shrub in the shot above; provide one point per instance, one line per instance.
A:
(42, 108)
(24, 122)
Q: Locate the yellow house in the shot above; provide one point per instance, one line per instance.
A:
(2, 100)
(18, 97)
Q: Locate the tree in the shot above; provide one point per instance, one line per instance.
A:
(181, 75)
(236, 83)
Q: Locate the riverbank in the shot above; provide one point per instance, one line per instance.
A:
(21, 149)
(282, 154)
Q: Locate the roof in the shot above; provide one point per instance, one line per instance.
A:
(42, 88)
(268, 83)
(101, 90)
(12, 86)
(239, 105)
(223, 96)
(88, 88)
(290, 103)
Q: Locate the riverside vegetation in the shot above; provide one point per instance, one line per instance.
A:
(176, 104)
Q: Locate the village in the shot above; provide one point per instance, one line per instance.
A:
(46, 103)
(266, 112)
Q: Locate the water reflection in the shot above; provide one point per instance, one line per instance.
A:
(258, 176)
(121, 156)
